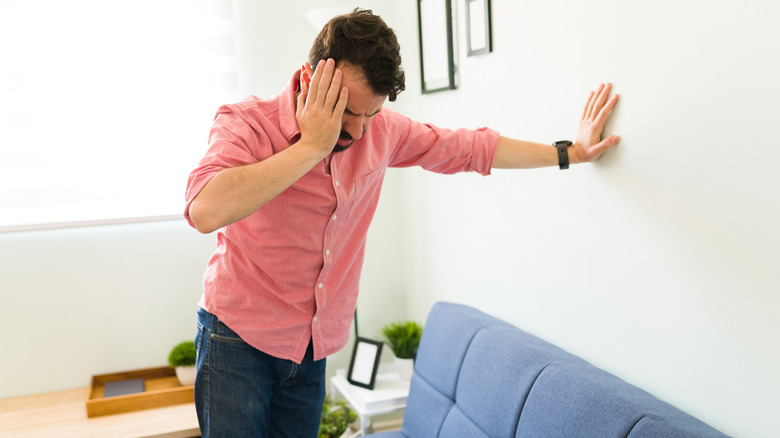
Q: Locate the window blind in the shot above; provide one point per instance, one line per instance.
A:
(106, 106)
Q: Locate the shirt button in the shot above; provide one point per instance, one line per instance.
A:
(315, 319)
(327, 252)
(337, 183)
(319, 285)
(335, 217)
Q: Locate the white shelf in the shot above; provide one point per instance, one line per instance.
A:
(389, 393)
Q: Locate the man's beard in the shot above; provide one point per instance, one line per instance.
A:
(341, 148)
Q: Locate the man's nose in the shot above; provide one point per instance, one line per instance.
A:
(354, 126)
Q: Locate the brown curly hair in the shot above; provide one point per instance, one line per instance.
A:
(364, 40)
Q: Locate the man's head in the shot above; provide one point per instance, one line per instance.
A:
(362, 39)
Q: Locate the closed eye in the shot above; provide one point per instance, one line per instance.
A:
(352, 113)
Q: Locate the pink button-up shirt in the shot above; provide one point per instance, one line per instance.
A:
(289, 272)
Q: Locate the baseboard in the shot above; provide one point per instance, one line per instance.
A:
(387, 425)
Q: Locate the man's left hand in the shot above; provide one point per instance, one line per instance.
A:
(589, 145)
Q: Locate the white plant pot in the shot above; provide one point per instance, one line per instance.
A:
(404, 367)
(353, 430)
(186, 375)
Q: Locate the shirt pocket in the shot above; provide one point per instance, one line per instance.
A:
(365, 196)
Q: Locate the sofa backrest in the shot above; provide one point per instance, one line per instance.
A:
(476, 376)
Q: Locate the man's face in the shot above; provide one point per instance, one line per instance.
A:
(363, 105)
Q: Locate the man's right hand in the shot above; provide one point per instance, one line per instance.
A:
(236, 192)
(321, 106)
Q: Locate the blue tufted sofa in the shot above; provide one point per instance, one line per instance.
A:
(476, 376)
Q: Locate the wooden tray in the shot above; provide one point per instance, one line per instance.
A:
(161, 388)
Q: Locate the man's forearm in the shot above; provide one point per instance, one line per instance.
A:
(518, 154)
(237, 192)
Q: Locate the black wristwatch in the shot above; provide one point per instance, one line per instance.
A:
(563, 153)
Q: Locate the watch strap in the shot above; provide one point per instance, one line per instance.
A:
(563, 153)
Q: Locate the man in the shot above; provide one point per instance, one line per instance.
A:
(292, 183)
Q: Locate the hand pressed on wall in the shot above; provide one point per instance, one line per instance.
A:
(589, 145)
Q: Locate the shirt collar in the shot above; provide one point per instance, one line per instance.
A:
(288, 122)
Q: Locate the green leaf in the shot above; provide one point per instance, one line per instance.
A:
(403, 337)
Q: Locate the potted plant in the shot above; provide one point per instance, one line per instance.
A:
(338, 420)
(403, 338)
(182, 358)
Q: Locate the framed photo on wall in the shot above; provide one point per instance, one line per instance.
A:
(364, 363)
(437, 45)
(479, 35)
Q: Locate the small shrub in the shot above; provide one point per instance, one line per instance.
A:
(183, 355)
(336, 417)
(403, 337)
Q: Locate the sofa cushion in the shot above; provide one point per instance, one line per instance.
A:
(659, 418)
(425, 411)
(458, 425)
(562, 404)
(498, 371)
(447, 335)
(649, 428)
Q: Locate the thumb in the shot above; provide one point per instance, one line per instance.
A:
(604, 145)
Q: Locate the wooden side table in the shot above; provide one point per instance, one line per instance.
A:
(389, 394)
(63, 414)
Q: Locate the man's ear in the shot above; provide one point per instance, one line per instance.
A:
(306, 73)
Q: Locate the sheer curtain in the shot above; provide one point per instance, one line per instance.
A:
(105, 106)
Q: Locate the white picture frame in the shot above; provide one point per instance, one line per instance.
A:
(435, 20)
(479, 35)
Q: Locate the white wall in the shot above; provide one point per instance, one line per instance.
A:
(656, 263)
(84, 301)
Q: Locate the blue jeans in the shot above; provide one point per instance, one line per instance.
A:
(243, 392)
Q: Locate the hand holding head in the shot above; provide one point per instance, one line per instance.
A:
(320, 105)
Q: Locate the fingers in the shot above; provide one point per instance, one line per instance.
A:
(341, 104)
(315, 81)
(596, 102)
(598, 109)
(321, 104)
(604, 90)
(334, 90)
(594, 117)
(323, 78)
(588, 104)
(606, 110)
(325, 88)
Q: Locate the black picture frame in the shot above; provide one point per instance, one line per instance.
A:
(365, 362)
(479, 35)
(437, 45)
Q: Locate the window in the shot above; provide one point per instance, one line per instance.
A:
(106, 106)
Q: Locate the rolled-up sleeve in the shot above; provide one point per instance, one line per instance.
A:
(441, 150)
(232, 143)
